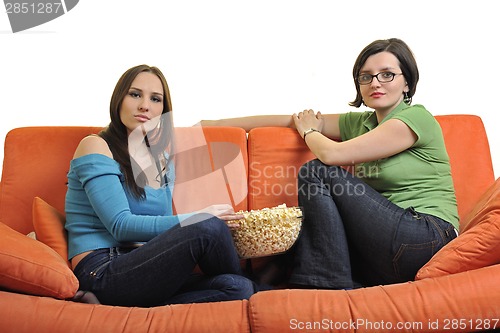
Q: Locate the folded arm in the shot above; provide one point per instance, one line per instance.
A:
(388, 139)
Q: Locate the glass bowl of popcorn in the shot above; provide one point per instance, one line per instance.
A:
(267, 231)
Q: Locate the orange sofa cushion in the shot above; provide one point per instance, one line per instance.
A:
(275, 157)
(470, 159)
(276, 154)
(422, 306)
(29, 266)
(36, 163)
(210, 168)
(477, 246)
(49, 227)
(28, 314)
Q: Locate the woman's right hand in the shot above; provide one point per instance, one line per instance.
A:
(217, 210)
(308, 119)
(224, 212)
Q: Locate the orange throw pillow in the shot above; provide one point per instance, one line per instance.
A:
(49, 227)
(478, 244)
(31, 267)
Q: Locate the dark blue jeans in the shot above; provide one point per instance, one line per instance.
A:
(354, 236)
(161, 271)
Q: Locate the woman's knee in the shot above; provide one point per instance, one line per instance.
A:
(236, 287)
(317, 169)
(307, 169)
(215, 231)
(317, 172)
(213, 226)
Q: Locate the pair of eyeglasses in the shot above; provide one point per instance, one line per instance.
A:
(382, 77)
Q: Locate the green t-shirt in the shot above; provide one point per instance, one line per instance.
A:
(418, 177)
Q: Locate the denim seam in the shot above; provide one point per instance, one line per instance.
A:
(403, 247)
(441, 230)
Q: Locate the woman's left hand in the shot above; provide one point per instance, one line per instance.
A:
(308, 119)
(226, 213)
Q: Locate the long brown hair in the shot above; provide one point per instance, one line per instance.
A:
(115, 134)
(404, 55)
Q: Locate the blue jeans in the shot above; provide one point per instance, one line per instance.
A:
(352, 235)
(161, 271)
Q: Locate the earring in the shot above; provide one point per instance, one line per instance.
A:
(406, 98)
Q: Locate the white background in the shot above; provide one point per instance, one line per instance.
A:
(228, 58)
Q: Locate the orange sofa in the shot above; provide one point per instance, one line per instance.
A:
(457, 291)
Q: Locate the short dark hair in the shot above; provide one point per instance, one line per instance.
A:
(401, 51)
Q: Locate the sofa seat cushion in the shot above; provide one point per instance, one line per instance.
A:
(27, 314)
(421, 306)
(31, 267)
(478, 244)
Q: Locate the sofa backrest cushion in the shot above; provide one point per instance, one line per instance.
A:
(276, 154)
(36, 162)
(211, 167)
(470, 158)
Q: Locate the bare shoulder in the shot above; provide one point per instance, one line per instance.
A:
(92, 144)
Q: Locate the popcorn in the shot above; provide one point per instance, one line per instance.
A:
(267, 231)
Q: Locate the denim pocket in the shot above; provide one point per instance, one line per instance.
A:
(445, 230)
(99, 270)
(425, 236)
(411, 257)
(91, 268)
(94, 264)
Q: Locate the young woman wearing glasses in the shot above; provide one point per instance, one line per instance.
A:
(381, 223)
